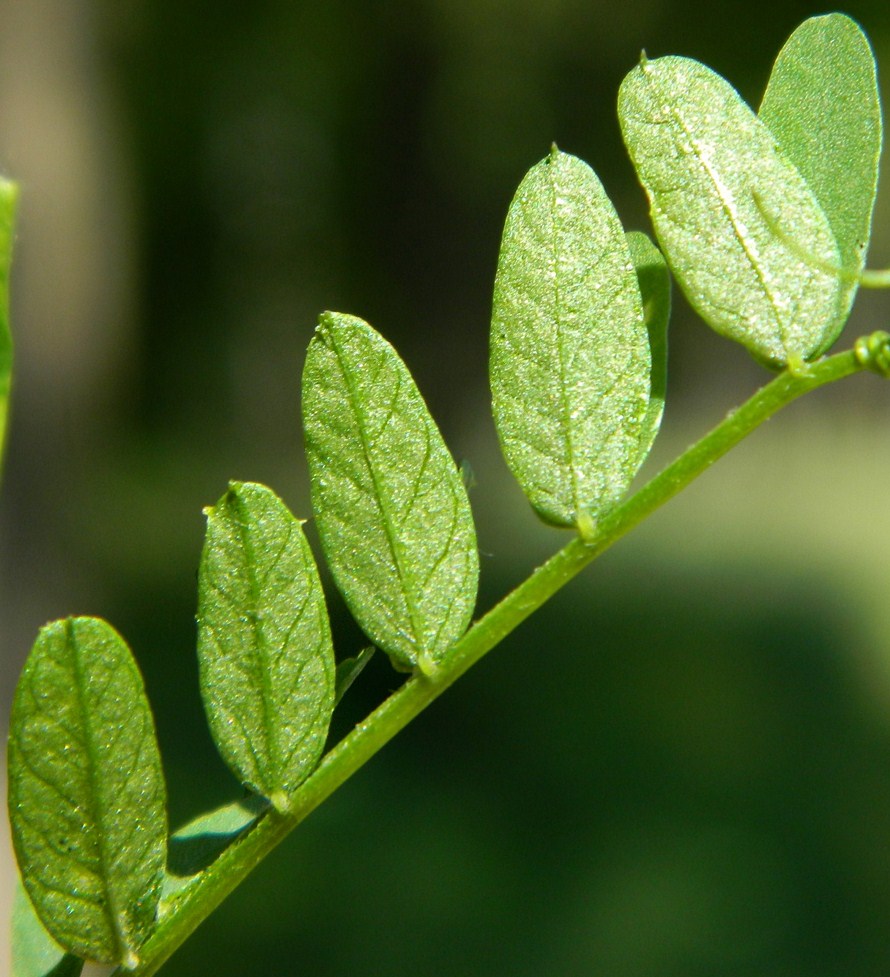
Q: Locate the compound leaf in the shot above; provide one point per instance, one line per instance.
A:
(8, 193)
(655, 289)
(570, 362)
(34, 952)
(717, 185)
(264, 642)
(86, 792)
(823, 105)
(392, 511)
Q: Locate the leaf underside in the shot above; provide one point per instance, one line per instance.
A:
(655, 289)
(264, 642)
(570, 362)
(196, 845)
(823, 105)
(391, 508)
(34, 952)
(716, 179)
(86, 791)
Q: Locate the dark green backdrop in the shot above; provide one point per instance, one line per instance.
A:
(681, 766)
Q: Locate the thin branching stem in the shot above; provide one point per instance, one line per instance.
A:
(203, 895)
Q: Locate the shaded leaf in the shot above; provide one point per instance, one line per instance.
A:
(264, 642)
(392, 511)
(86, 791)
(349, 670)
(34, 952)
(823, 105)
(8, 194)
(655, 288)
(196, 845)
(570, 359)
(712, 170)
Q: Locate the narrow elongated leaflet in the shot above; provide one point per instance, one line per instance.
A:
(570, 363)
(264, 642)
(392, 510)
(34, 952)
(823, 105)
(655, 288)
(8, 193)
(86, 792)
(713, 171)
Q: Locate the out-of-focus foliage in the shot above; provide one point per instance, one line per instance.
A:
(720, 765)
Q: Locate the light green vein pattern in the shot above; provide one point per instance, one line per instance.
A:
(711, 169)
(264, 642)
(82, 752)
(391, 508)
(570, 364)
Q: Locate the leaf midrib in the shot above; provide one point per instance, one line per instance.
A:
(389, 529)
(273, 743)
(565, 412)
(115, 912)
(727, 205)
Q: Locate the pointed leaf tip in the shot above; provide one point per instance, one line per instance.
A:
(86, 791)
(702, 156)
(264, 643)
(570, 363)
(391, 509)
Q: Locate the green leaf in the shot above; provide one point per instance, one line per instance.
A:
(196, 845)
(264, 642)
(349, 670)
(34, 952)
(712, 171)
(392, 511)
(823, 105)
(8, 194)
(570, 364)
(655, 288)
(86, 791)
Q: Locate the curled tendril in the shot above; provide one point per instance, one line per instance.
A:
(866, 277)
(873, 352)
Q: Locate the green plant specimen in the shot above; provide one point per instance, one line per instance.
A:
(751, 221)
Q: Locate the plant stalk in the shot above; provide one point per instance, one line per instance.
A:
(203, 895)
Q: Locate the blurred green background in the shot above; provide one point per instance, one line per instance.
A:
(681, 766)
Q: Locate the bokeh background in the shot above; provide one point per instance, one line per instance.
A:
(681, 766)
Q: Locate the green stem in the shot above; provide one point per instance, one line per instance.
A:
(871, 278)
(209, 889)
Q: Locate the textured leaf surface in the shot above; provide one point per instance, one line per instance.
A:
(86, 791)
(570, 360)
(712, 170)
(264, 642)
(392, 511)
(7, 212)
(823, 105)
(34, 952)
(655, 288)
